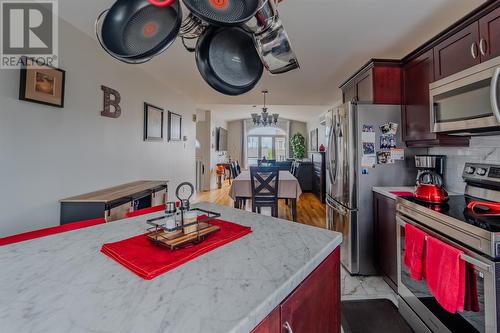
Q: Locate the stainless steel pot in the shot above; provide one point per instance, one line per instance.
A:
(275, 50)
(263, 19)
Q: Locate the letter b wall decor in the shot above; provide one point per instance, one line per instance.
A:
(109, 101)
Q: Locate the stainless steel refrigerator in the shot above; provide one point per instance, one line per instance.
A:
(350, 198)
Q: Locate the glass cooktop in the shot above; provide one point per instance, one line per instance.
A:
(456, 207)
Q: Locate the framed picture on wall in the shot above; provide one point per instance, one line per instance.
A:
(313, 139)
(174, 127)
(41, 84)
(153, 123)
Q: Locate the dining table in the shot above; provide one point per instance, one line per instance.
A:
(288, 189)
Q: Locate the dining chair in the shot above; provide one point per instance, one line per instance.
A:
(265, 183)
(293, 169)
(232, 172)
(238, 167)
(145, 211)
(50, 231)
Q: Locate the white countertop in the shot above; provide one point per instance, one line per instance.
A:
(387, 190)
(62, 283)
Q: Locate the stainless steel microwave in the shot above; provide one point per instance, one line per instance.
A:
(467, 102)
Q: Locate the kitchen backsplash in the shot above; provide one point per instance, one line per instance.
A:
(484, 149)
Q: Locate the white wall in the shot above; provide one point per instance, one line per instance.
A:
(48, 153)
(215, 156)
(313, 124)
(235, 140)
(482, 150)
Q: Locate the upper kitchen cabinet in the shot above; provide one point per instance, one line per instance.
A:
(477, 41)
(378, 82)
(489, 31)
(418, 73)
(457, 52)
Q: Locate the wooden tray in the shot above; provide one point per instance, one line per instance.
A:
(178, 238)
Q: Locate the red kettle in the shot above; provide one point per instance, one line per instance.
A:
(430, 188)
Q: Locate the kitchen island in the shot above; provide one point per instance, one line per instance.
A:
(63, 283)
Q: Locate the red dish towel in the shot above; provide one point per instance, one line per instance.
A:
(414, 251)
(148, 260)
(402, 194)
(146, 211)
(471, 295)
(49, 231)
(445, 274)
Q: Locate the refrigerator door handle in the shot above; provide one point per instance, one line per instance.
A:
(332, 163)
(337, 207)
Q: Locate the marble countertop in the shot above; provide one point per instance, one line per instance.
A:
(62, 283)
(387, 190)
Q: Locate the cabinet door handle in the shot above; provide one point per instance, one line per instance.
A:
(287, 327)
(483, 46)
(473, 50)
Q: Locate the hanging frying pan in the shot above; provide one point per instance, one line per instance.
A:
(98, 29)
(139, 29)
(224, 12)
(227, 60)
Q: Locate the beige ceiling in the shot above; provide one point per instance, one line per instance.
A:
(332, 39)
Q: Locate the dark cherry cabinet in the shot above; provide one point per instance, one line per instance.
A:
(384, 210)
(377, 82)
(271, 324)
(418, 73)
(457, 52)
(489, 29)
(314, 306)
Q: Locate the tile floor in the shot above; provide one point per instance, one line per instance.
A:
(364, 287)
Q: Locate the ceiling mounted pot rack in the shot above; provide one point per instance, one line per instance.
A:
(135, 31)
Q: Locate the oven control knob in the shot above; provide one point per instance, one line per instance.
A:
(470, 170)
(481, 171)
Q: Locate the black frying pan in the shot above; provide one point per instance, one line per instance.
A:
(227, 60)
(138, 28)
(224, 12)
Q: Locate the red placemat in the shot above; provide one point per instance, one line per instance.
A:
(148, 260)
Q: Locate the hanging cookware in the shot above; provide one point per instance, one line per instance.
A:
(430, 188)
(191, 29)
(275, 50)
(263, 19)
(227, 60)
(223, 12)
(139, 29)
(98, 29)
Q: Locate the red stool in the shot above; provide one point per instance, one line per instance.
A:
(49, 231)
(146, 211)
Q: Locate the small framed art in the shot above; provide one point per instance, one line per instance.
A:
(41, 84)
(174, 127)
(153, 123)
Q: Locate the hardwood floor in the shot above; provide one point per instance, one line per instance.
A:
(310, 210)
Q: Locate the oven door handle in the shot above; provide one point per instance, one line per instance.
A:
(473, 261)
(494, 94)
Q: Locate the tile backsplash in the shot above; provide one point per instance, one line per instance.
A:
(485, 149)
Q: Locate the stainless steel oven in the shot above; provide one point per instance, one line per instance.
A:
(467, 102)
(421, 308)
